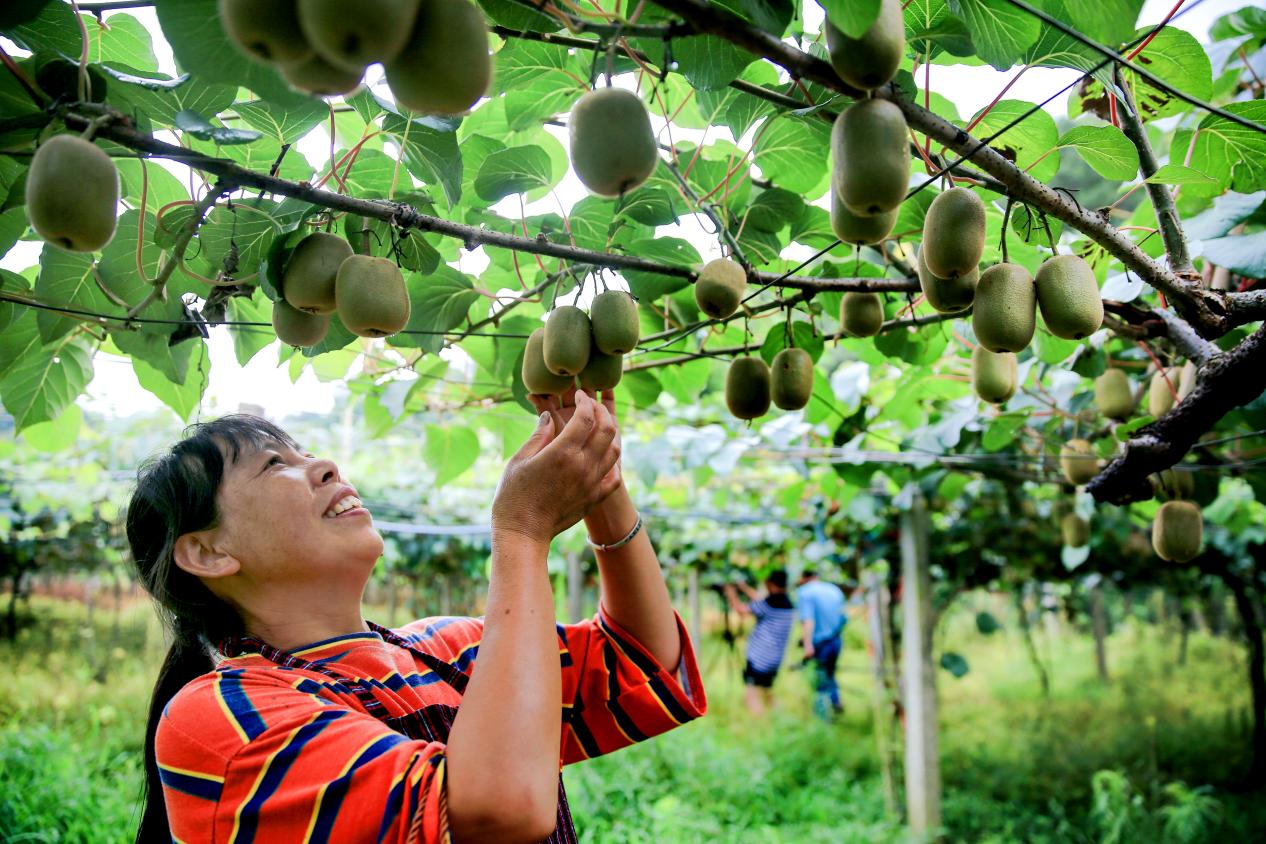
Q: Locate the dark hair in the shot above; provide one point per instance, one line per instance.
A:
(808, 573)
(176, 494)
(777, 577)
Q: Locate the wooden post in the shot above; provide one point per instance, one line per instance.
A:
(876, 616)
(696, 614)
(1099, 624)
(923, 768)
(575, 588)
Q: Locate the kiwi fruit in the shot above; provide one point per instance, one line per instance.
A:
(59, 79)
(1174, 484)
(871, 60)
(1078, 462)
(315, 75)
(296, 328)
(308, 281)
(1187, 379)
(1113, 395)
(536, 375)
(612, 145)
(568, 340)
(267, 30)
(954, 233)
(993, 374)
(1177, 531)
(445, 66)
(747, 386)
(1068, 295)
(858, 230)
(946, 295)
(1160, 395)
(861, 314)
(1004, 311)
(1075, 530)
(871, 154)
(791, 379)
(72, 194)
(602, 372)
(375, 31)
(720, 287)
(372, 298)
(616, 327)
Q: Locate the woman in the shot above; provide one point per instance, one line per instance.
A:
(312, 724)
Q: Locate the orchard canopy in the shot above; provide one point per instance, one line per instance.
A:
(480, 187)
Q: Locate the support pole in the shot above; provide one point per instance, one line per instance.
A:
(923, 769)
(1099, 625)
(876, 615)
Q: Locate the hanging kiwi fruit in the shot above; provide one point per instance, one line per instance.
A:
(791, 379)
(568, 340)
(747, 388)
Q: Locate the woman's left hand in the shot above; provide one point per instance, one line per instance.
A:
(562, 407)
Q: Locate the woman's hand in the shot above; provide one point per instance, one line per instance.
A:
(560, 473)
(563, 407)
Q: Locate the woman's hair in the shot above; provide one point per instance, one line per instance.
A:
(176, 494)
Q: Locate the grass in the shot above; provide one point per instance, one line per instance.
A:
(1154, 756)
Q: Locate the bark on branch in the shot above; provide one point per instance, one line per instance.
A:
(1226, 381)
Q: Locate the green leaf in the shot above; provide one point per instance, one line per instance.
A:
(1232, 154)
(249, 340)
(122, 39)
(430, 151)
(650, 206)
(159, 106)
(66, 279)
(1176, 58)
(198, 126)
(1243, 254)
(1177, 174)
(851, 17)
(20, 338)
(521, 63)
(709, 62)
(1002, 431)
(185, 397)
(53, 29)
(1107, 21)
(45, 381)
(932, 28)
(286, 124)
(804, 338)
(56, 434)
(437, 303)
(513, 170)
(793, 152)
(1228, 211)
(450, 450)
(643, 386)
(518, 17)
(955, 664)
(1106, 149)
(772, 210)
(987, 624)
(192, 28)
(248, 227)
(1001, 32)
(773, 16)
(667, 250)
(738, 110)
(1027, 141)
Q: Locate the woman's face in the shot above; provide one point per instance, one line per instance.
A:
(289, 517)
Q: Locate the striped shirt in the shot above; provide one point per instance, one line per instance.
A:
(768, 642)
(255, 752)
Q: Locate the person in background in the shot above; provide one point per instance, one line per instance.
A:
(822, 619)
(775, 617)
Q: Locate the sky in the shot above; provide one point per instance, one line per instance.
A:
(114, 390)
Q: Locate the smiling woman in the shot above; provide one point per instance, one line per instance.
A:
(282, 714)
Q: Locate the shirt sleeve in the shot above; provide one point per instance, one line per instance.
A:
(804, 607)
(227, 742)
(759, 608)
(616, 694)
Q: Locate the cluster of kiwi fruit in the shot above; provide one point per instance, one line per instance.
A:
(72, 194)
(1115, 397)
(1178, 529)
(434, 52)
(751, 385)
(324, 276)
(585, 348)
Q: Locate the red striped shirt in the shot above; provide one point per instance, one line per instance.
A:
(256, 752)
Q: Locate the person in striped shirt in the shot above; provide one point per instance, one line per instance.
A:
(775, 616)
(281, 714)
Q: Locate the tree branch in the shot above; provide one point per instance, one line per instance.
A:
(1191, 344)
(1227, 381)
(406, 216)
(1162, 199)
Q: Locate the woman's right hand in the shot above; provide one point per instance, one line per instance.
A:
(557, 476)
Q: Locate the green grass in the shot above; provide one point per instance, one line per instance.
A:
(1016, 767)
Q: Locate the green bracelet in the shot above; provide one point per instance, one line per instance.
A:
(620, 543)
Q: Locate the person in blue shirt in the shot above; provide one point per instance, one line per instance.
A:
(775, 616)
(822, 619)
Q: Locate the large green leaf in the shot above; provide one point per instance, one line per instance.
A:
(520, 63)
(667, 250)
(851, 17)
(1176, 58)
(122, 39)
(249, 340)
(1027, 141)
(1242, 254)
(1106, 149)
(1232, 154)
(931, 28)
(513, 170)
(1108, 21)
(44, 381)
(66, 280)
(184, 397)
(438, 303)
(161, 105)
(450, 450)
(793, 152)
(1001, 32)
(287, 123)
(709, 62)
(430, 151)
(738, 110)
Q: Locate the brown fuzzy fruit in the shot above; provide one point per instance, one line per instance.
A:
(296, 328)
(720, 287)
(747, 388)
(445, 67)
(267, 30)
(870, 151)
(616, 327)
(568, 340)
(314, 75)
(603, 372)
(1160, 393)
(993, 374)
(613, 146)
(858, 230)
(791, 379)
(536, 375)
(1079, 462)
(72, 194)
(1113, 394)
(1068, 294)
(872, 59)
(954, 233)
(946, 295)
(1178, 531)
(308, 281)
(375, 32)
(373, 300)
(1075, 530)
(1004, 312)
(861, 314)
